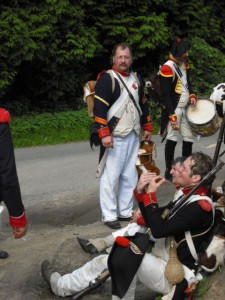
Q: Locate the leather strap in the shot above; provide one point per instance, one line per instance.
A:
(129, 93)
(179, 73)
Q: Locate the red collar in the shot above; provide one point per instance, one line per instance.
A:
(202, 191)
(124, 74)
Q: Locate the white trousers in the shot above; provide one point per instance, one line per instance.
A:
(184, 127)
(79, 279)
(150, 274)
(119, 177)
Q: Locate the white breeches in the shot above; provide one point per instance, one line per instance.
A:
(79, 279)
(119, 173)
(151, 275)
(184, 128)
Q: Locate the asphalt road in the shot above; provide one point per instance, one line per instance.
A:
(69, 169)
(51, 171)
(60, 193)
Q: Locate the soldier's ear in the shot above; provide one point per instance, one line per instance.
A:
(196, 178)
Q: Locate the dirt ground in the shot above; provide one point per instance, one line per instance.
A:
(52, 235)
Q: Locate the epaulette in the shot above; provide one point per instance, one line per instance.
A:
(166, 71)
(205, 205)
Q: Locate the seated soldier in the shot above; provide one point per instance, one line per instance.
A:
(137, 223)
(195, 216)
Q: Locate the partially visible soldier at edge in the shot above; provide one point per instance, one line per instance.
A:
(10, 192)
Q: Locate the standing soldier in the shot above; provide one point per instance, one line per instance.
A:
(121, 114)
(176, 94)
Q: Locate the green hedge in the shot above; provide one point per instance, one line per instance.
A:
(50, 128)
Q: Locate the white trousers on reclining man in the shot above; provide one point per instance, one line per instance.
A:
(150, 274)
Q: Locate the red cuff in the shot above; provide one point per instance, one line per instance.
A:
(19, 221)
(141, 221)
(103, 131)
(173, 118)
(4, 116)
(148, 127)
(138, 196)
(149, 198)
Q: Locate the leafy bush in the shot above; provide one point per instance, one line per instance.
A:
(48, 129)
(51, 128)
(207, 67)
(50, 48)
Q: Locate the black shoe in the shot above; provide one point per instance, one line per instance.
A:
(124, 219)
(87, 246)
(3, 254)
(113, 224)
(46, 271)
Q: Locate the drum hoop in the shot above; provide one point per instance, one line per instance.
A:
(206, 123)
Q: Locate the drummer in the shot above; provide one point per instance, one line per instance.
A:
(176, 93)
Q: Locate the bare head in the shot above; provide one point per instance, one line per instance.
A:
(122, 57)
(194, 168)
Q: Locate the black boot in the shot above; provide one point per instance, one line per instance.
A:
(46, 271)
(3, 254)
(187, 149)
(169, 156)
(87, 246)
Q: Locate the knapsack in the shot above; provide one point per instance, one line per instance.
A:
(89, 91)
(153, 86)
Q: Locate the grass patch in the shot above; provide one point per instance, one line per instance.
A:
(51, 128)
(203, 287)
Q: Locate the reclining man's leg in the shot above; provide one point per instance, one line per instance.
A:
(72, 283)
(101, 244)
